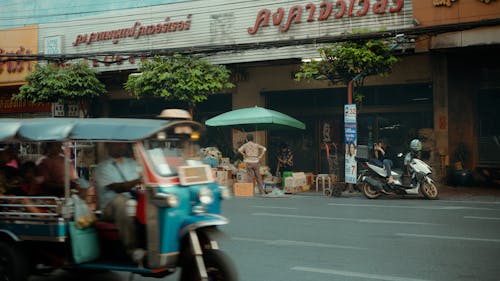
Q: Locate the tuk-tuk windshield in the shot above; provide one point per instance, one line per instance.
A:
(166, 156)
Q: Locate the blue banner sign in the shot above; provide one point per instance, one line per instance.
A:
(350, 140)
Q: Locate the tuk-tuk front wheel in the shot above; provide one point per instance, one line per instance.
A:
(13, 263)
(218, 265)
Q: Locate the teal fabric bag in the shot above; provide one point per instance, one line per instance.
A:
(84, 243)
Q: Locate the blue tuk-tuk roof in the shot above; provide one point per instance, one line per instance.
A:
(80, 129)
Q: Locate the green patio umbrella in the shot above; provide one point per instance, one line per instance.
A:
(255, 119)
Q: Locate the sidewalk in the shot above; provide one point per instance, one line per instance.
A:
(461, 192)
(445, 193)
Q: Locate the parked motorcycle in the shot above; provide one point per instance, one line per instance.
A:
(414, 180)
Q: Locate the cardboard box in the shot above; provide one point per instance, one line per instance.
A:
(292, 189)
(295, 183)
(309, 178)
(243, 189)
(224, 161)
(242, 176)
(222, 177)
(297, 179)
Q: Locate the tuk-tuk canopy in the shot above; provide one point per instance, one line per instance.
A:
(81, 129)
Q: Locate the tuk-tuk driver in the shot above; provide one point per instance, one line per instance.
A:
(115, 177)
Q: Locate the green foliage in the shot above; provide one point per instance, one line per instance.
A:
(180, 78)
(51, 83)
(341, 62)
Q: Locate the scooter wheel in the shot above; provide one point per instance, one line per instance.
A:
(429, 190)
(370, 192)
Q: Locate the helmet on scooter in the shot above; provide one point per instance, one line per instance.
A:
(415, 145)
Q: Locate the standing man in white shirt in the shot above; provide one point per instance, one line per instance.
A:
(252, 153)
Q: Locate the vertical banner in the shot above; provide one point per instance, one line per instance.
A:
(350, 139)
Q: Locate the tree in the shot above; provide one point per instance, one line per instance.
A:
(52, 83)
(181, 78)
(342, 62)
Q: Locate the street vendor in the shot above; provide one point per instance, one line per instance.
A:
(252, 153)
(285, 160)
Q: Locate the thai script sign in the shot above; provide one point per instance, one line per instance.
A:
(136, 31)
(10, 64)
(339, 9)
(8, 105)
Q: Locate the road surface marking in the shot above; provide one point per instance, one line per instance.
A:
(481, 218)
(448, 237)
(342, 219)
(411, 207)
(274, 207)
(355, 274)
(295, 243)
(471, 202)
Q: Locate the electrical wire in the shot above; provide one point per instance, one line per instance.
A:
(140, 12)
(212, 49)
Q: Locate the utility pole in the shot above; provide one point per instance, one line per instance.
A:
(400, 38)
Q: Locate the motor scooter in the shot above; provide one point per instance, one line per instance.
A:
(414, 180)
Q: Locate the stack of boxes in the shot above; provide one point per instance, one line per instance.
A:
(296, 183)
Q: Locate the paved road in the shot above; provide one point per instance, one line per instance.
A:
(322, 238)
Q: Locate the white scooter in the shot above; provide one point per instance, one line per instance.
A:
(415, 181)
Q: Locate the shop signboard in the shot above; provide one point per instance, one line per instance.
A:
(350, 140)
(8, 105)
(15, 42)
(123, 39)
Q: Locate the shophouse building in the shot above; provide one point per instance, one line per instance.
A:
(14, 42)
(444, 86)
(462, 40)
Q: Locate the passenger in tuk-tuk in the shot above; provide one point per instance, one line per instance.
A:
(30, 184)
(50, 170)
(8, 173)
(115, 177)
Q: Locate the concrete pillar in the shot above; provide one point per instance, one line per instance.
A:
(441, 127)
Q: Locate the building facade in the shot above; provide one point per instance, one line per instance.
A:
(13, 42)
(467, 90)
(442, 89)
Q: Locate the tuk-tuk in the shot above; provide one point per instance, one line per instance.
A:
(177, 213)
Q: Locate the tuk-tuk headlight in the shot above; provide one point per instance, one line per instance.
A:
(224, 192)
(205, 195)
(166, 200)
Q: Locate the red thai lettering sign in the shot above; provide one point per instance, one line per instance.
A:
(338, 9)
(11, 65)
(8, 105)
(136, 31)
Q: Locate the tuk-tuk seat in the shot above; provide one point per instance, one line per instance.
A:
(107, 230)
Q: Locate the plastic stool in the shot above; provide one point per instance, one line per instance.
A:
(325, 179)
